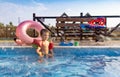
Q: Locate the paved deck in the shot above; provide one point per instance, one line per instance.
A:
(81, 43)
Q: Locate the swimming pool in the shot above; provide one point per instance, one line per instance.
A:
(67, 62)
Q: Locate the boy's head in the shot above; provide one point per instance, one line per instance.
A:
(44, 34)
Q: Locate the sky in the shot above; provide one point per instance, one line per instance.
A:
(17, 11)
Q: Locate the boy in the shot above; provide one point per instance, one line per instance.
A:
(43, 45)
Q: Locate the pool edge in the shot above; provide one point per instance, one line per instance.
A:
(63, 46)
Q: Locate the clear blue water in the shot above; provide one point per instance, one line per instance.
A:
(67, 62)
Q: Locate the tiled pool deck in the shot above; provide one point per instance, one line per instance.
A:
(83, 44)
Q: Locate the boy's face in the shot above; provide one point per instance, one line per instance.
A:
(45, 36)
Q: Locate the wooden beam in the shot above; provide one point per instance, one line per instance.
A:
(74, 19)
(66, 24)
(54, 17)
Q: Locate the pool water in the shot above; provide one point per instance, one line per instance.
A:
(67, 62)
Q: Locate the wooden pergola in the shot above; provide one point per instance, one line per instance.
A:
(70, 26)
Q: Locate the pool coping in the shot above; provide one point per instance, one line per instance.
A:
(87, 46)
(63, 46)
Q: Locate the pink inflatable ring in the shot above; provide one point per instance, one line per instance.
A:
(22, 29)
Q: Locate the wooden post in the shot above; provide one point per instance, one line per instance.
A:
(34, 16)
(34, 20)
(81, 15)
(80, 33)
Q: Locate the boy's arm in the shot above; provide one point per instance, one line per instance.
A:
(39, 52)
(38, 49)
(51, 53)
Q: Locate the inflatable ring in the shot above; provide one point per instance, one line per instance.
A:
(99, 21)
(92, 22)
(23, 27)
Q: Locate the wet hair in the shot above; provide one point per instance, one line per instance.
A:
(43, 31)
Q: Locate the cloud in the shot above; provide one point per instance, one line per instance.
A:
(15, 11)
(11, 12)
